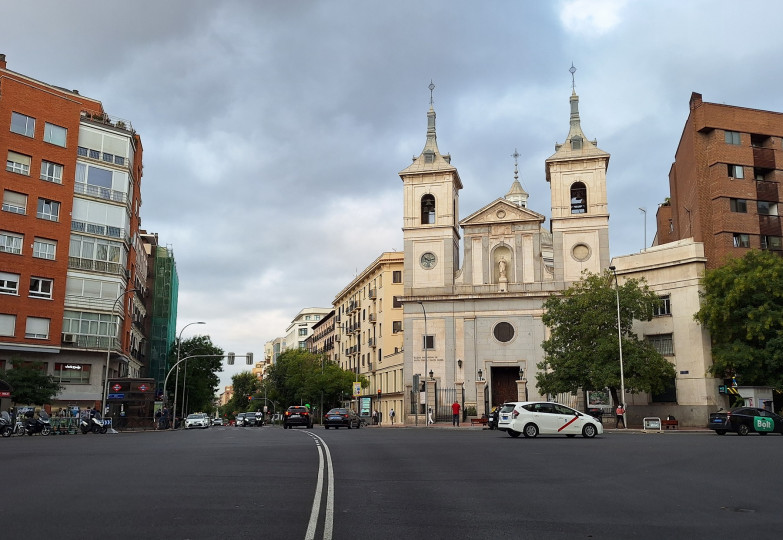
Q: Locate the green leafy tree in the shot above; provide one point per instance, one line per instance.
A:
(245, 385)
(583, 350)
(300, 377)
(201, 381)
(31, 384)
(742, 307)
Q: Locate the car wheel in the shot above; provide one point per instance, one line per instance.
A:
(720, 431)
(531, 431)
(588, 431)
(513, 433)
(742, 429)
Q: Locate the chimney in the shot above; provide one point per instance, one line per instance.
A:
(695, 101)
(2, 61)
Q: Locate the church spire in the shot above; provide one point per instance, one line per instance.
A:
(430, 157)
(517, 194)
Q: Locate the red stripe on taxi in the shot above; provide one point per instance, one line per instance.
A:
(568, 423)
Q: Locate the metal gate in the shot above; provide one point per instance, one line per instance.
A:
(444, 397)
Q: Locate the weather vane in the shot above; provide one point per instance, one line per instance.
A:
(572, 70)
(515, 155)
(431, 87)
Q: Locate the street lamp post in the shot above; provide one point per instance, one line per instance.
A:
(185, 369)
(426, 410)
(176, 380)
(644, 211)
(620, 342)
(108, 351)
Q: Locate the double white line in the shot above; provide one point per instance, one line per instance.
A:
(323, 451)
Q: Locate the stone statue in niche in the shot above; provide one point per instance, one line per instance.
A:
(502, 277)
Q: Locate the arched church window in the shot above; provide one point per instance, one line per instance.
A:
(428, 209)
(578, 198)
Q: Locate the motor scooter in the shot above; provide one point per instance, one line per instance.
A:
(6, 424)
(93, 424)
(40, 425)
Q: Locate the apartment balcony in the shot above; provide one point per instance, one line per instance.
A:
(100, 230)
(373, 318)
(92, 265)
(373, 294)
(82, 341)
(371, 342)
(337, 337)
(100, 192)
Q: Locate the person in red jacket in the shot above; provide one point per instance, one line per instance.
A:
(455, 413)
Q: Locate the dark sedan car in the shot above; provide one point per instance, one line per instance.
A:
(338, 418)
(297, 416)
(744, 420)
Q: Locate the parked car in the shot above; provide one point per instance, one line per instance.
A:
(297, 416)
(340, 417)
(197, 420)
(250, 419)
(217, 421)
(240, 420)
(533, 417)
(744, 420)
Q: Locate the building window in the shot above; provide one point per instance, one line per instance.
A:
(770, 242)
(14, 202)
(48, 209)
(7, 324)
(37, 328)
(44, 249)
(428, 342)
(576, 143)
(9, 283)
(732, 137)
(55, 134)
(663, 343)
(81, 151)
(40, 287)
(664, 306)
(11, 243)
(741, 240)
(72, 373)
(18, 163)
(766, 208)
(578, 198)
(51, 172)
(23, 125)
(738, 205)
(428, 209)
(396, 303)
(736, 171)
(90, 324)
(396, 327)
(504, 332)
(397, 276)
(303, 331)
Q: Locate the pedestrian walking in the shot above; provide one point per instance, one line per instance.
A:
(391, 416)
(619, 412)
(429, 416)
(455, 413)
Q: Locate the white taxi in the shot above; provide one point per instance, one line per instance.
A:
(530, 418)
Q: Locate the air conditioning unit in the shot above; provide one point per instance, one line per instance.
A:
(69, 338)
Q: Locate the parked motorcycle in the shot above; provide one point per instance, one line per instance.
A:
(6, 424)
(40, 425)
(93, 424)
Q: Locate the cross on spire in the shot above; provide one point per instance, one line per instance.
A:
(572, 69)
(431, 87)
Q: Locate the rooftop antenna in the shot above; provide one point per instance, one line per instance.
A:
(431, 87)
(572, 69)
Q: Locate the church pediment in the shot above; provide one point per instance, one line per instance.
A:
(502, 211)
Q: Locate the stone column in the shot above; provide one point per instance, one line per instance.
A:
(522, 389)
(481, 387)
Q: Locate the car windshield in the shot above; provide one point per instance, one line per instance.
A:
(508, 407)
(194, 417)
(298, 410)
(338, 411)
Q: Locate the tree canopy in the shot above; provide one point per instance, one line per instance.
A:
(31, 385)
(583, 348)
(201, 380)
(742, 307)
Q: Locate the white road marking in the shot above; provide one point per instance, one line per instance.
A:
(312, 526)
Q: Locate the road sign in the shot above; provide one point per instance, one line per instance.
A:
(357, 389)
(116, 387)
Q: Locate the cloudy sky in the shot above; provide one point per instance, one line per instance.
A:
(273, 132)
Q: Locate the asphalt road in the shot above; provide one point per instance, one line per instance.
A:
(379, 483)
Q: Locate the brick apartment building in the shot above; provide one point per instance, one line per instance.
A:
(73, 267)
(725, 183)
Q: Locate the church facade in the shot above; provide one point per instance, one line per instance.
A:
(472, 323)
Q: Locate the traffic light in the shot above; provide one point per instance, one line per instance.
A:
(250, 398)
(249, 359)
(379, 393)
(231, 358)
